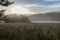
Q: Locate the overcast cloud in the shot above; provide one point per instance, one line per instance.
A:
(40, 6)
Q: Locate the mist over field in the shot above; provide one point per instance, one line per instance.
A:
(29, 20)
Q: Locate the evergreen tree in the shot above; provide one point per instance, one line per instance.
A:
(2, 16)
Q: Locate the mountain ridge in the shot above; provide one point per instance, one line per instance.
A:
(50, 16)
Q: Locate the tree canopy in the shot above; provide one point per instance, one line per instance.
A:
(2, 16)
(5, 2)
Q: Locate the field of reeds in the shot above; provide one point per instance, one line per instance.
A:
(30, 31)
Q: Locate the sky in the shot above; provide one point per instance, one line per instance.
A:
(38, 6)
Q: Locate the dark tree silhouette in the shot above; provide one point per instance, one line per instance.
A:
(5, 3)
(2, 16)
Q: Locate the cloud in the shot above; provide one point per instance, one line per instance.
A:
(27, 1)
(43, 6)
(31, 5)
(52, 0)
(38, 8)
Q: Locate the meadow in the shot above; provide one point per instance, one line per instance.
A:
(29, 31)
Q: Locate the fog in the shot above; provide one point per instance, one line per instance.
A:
(45, 21)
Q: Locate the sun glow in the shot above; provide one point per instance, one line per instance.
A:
(16, 9)
(18, 15)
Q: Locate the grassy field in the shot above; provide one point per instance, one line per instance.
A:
(30, 31)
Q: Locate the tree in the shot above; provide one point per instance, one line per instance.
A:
(2, 16)
(5, 2)
(18, 18)
(5, 17)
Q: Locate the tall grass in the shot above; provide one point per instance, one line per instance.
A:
(41, 32)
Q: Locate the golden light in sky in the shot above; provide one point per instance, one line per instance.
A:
(18, 15)
(16, 9)
(19, 9)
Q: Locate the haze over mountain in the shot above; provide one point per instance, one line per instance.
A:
(50, 16)
(18, 18)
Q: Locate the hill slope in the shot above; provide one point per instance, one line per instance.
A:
(51, 16)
